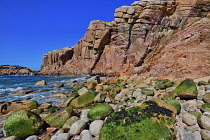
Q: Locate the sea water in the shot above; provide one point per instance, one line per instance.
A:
(10, 84)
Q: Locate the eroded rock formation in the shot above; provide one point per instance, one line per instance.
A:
(15, 70)
(151, 37)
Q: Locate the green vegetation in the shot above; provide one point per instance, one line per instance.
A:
(186, 89)
(147, 122)
(100, 111)
(58, 118)
(22, 124)
(83, 100)
(176, 104)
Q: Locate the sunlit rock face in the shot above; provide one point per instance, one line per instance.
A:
(150, 37)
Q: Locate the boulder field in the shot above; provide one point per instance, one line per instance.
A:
(150, 37)
(116, 108)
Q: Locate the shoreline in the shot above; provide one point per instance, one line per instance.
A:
(122, 93)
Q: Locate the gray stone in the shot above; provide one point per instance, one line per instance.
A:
(95, 127)
(12, 138)
(141, 98)
(60, 136)
(193, 128)
(207, 87)
(205, 134)
(190, 105)
(82, 91)
(189, 119)
(187, 136)
(84, 115)
(108, 100)
(119, 96)
(137, 92)
(204, 122)
(69, 123)
(99, 98)
(77, 127)
(197, 135)
(33, 137)
(207, 114)
(59, 131)
(86, 135)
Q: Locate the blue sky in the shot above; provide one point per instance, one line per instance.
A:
(31, 28)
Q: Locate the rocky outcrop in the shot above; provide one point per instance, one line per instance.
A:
(15, 70)
(151, 37)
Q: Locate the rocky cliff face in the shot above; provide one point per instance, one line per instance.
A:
(151, 37)
(15, 70)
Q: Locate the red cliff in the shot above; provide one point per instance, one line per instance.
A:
(151, 37)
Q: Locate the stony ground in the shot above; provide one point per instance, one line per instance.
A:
(89, 112)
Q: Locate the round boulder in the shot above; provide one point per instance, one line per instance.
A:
(22, 124)
(100, 111)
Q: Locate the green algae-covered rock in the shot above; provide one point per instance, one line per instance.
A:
(58, 119)
(176, 104)
(22, 124)
(164, 84)
(100, 111)
(187, 89)
(202, 83)
(168, 96)
(154, 120)
(195, 113)
(205, 107)
(147, 92)
(83, 100)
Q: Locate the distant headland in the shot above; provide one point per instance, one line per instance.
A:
(16, 70)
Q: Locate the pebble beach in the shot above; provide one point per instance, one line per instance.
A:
(126, 107)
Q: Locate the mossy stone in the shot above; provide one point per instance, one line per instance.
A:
(202, 83)
(206, 98)
(195, 113)
(22, 124)
(58, 118)
(100, 112)
(187, 89)
(33, 105)
(205, 107)
(153, 120)
(147, 92)
(176, 104)
(164, 84)
(52, 109)
(168, 96)
(83, 100)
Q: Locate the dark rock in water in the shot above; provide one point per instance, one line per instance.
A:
(22, 124)
(24, 92)
(154, 120)
(16, 70)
